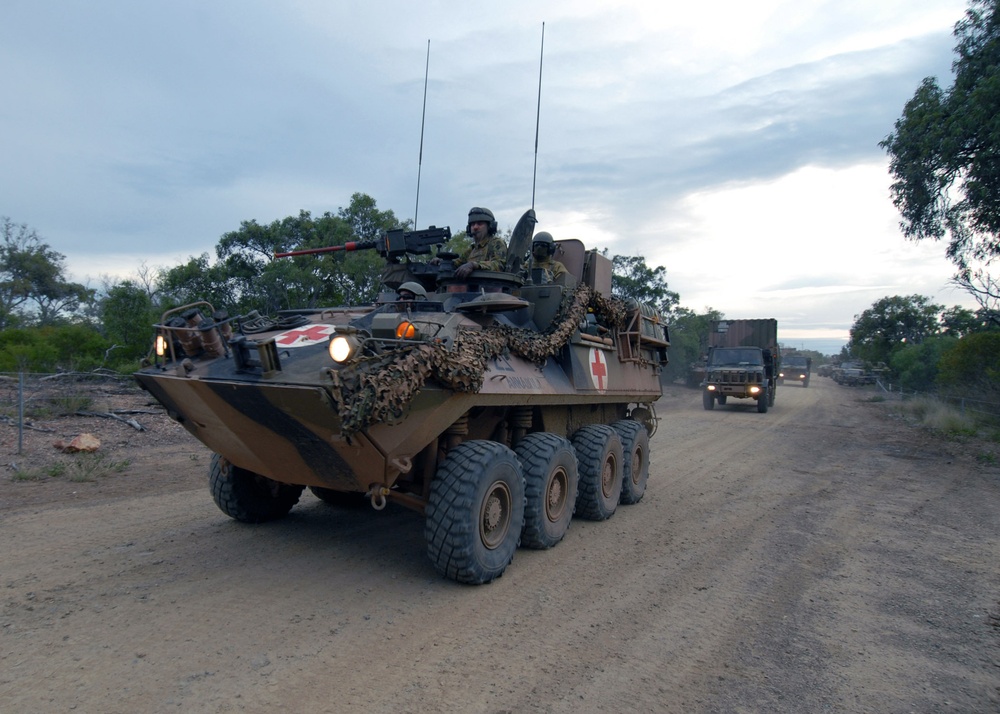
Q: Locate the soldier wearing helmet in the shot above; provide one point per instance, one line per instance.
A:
(543, 247)
(488, 250)
(411, 291)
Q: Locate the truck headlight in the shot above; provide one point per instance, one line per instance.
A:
(754, 390)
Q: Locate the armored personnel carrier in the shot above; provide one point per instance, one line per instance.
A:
(496, 407)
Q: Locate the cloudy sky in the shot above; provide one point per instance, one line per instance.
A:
(735, 143)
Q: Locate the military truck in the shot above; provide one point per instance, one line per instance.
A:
(795, 367)
(743, 362)
(495, 407)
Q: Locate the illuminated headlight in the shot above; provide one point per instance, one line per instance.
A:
(343, 347)
(161, 345)
(781, 374)
(802, 376)
(711, 387)
(754, 390)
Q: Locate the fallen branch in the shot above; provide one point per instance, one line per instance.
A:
(109, 415)
(26, 425)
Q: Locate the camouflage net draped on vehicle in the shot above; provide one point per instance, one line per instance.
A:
(378, 388)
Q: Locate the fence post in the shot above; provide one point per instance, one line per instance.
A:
(20, 412)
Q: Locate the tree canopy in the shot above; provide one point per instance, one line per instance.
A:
(890, 324)
(945, 148)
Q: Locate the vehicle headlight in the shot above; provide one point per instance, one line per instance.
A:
(711, 387)
(754, 390)
(161, 346)
(406, 330)
(343, 347)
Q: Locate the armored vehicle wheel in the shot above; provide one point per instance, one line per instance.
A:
(805, 382)
(762, 401)
(248, 497)
(346, 499)
(550, 480)
(635, 459)
(771, 394)
(599, 455)
(722, 399)
(708, 399)
(475, 512)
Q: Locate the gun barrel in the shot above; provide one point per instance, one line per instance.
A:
(350, 245)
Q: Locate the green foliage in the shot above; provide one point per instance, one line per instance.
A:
(632, 279)
(33, 288)
(688, 340)
(891, 323)
(972, 365)
(945, 148)
(915, 366)
(127, 317)
(52, 349)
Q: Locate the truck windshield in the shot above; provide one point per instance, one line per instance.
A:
(795, 361)
(728, 356)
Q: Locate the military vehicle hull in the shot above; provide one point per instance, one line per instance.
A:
(495, 409)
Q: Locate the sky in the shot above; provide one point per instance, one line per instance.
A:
(734, 143)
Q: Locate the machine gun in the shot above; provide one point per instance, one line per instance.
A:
(391, 245)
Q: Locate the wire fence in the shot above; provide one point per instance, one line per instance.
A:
(26, 396)
(985, 409)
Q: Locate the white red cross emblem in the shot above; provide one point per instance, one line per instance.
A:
(598, 369)
(302, 337)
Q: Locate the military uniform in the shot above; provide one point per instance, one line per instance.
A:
(492, 255)
(551, 269)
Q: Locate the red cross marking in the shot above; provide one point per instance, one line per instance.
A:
(313, 334)
(598, 368)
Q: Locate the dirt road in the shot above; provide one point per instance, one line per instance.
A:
(820, 557)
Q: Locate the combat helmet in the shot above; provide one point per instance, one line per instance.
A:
(545, 238)
(482, 214)
(412, 287)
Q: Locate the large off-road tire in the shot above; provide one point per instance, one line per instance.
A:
(708, 399)
(635, 460)
(548, 463)
(599, 456)
(248, 497)
(762, 401)
(805, 382)
(771, 394)
(475, 512)
(344, 499)
(722, 399)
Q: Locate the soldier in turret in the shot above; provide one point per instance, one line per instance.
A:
(488, 250)
(543, 248)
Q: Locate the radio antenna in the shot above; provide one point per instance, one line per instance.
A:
(423, 116)
(538, 111)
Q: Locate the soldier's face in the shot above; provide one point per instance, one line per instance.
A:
(479, 229)
(539, 251)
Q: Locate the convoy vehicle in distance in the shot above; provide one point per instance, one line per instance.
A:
(743, 362)
(495, 407)
(795, 368)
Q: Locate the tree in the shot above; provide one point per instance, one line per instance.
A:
(127, 316)
(688, 340)
(916, 365)
(945, 149)
(632, 279)
(891, 323)
(32, 273)
(972, 366)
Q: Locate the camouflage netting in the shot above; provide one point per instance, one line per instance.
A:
(377, 389)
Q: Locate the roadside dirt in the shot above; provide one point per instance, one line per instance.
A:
(824, 556)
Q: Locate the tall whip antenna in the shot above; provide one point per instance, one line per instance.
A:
(538, 111)
(423, 116)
